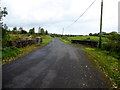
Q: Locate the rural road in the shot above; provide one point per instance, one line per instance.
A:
(57, 65)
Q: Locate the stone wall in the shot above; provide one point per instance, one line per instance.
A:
(91, 43)
(23, 43)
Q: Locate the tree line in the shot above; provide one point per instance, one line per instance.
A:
(20, 30)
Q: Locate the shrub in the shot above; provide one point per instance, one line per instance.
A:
(113, 47)
(8, 52)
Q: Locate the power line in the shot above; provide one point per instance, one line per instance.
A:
(81, 14)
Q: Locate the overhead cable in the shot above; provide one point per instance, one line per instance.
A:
(81, 14)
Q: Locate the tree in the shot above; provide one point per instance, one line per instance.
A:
(23, 32)
(113, 33)
(104, 33)
(46, 32)
(32, 31)
(20, 29)
(15, 29)
(113, 36)
(3, 13)
(90, 34)
(96, 34)
(42, 31)
(3, 27)
(4, 33)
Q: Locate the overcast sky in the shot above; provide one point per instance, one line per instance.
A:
(54, 15)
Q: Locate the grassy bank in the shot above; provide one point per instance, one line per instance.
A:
(113, 46)
(88, 38)
(107, 64)
(46, 39)
(11, 53)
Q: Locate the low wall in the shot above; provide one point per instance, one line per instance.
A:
(23, 43)
(91, 43)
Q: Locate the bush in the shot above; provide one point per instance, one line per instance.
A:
(5, 37)
(65, 37)
(8, 52)
(113, 47)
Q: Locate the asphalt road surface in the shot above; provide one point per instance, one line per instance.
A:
(57, 65)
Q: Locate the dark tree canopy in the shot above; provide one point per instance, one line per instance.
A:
(46, 32)
(32, 31)
(21, 28)
(42, 32)
(23, 32)
(15, 29)
(90, 34)
(114, 36)
(3, 13)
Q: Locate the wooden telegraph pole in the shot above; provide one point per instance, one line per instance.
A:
(100, 40)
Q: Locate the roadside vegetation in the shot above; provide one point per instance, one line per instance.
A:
(108, 64)
(88, 38)
(10, 53)
(46, 39)
(106, 58)
(110, 42)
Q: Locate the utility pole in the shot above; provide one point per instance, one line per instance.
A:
(100, 40)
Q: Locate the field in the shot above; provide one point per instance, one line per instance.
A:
(112, 46)
(88, 38)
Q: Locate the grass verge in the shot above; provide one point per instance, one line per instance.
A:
(46, 40)
(107, 64)
(12, 53)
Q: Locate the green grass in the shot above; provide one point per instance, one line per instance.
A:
(107, 64)
(8, 52)
(106, 43)
(66, 41)
(11, 53)
(92, 38)
(13, 37)
(46, 40)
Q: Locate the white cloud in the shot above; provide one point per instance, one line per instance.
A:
(53, 15)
